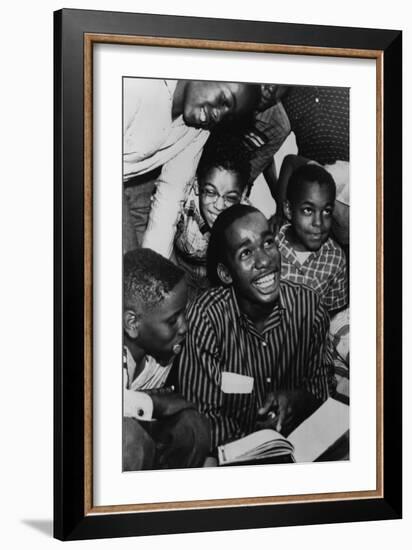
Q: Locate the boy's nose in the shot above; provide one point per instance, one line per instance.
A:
(261, 259)
(317, 220)
(220, 203)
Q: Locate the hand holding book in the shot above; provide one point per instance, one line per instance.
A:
(284, 410)
(306, 443)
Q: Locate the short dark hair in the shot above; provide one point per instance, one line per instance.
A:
(225, 150)
(308, 173)
(148, 278)
(217, 248)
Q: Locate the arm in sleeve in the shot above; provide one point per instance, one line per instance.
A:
(200, 377)
(137, 404)
(337, 295)
(320, 377)
(171, 188)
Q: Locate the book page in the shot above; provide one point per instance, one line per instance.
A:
(249, 443)
(318, 432)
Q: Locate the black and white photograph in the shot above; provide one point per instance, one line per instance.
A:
(236, 253)
(227, 274)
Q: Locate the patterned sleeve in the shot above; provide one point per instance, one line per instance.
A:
(320, 378)
(337, 295)
(200, 376)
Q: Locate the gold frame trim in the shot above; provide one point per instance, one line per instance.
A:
(89, 40)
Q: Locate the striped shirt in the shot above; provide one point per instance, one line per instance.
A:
(227, 367)
(264, 138)
(324, 270)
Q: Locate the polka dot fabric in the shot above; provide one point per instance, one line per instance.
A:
(319, 117)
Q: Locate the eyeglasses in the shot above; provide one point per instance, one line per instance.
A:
(213, 196)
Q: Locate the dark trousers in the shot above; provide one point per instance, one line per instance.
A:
(178, 441)
(137, 201)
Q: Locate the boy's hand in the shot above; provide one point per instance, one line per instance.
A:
(168, 404)
(284, 410)
(275, 223)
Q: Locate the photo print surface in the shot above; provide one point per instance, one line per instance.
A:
(235, 273)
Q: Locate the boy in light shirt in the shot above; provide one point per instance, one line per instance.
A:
(160, 428)
(221, 181)
(309, 255)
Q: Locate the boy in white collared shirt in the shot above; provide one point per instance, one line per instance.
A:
(160, 428)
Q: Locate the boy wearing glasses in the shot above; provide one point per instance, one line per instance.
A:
(221, 181)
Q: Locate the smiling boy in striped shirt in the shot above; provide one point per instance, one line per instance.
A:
(256, 353)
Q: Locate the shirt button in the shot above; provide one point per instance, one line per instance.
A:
(316, 100)
(264, 344)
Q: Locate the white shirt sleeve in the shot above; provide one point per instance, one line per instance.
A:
(137, 405)
(171, 189)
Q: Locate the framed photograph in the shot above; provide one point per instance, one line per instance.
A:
(228, 231)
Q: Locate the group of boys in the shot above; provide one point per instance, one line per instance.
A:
(251, 351)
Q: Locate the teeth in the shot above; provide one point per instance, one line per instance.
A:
(266, 280)
(202, 115)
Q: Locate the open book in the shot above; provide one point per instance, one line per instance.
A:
(258, 445)
(306, 443)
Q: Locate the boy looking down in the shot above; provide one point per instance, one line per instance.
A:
(155, 295)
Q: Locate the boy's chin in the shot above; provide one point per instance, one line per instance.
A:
(314, 247)
(167, 357)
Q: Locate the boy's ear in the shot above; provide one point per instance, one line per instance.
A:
(223, 274)
(131, 323)
(287, 210)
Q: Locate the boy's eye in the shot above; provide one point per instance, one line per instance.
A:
(307, 211)
(232, 199)
(269, 242)
(244, 254)
(225, 100)
(210, 194)
(328, 212)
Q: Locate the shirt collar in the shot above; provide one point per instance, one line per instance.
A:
(129, 365)
(275, 315)
(288, 251)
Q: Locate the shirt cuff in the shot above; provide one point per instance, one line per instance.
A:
(138, 405)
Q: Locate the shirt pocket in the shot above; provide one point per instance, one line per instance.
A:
(237, 395)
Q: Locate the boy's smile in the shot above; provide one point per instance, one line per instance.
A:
(310, 217)
(253, 261)
(219, 189)
(208, 103)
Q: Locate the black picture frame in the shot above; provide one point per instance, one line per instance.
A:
(73, 519)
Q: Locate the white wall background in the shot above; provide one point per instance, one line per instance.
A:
(26, 324)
